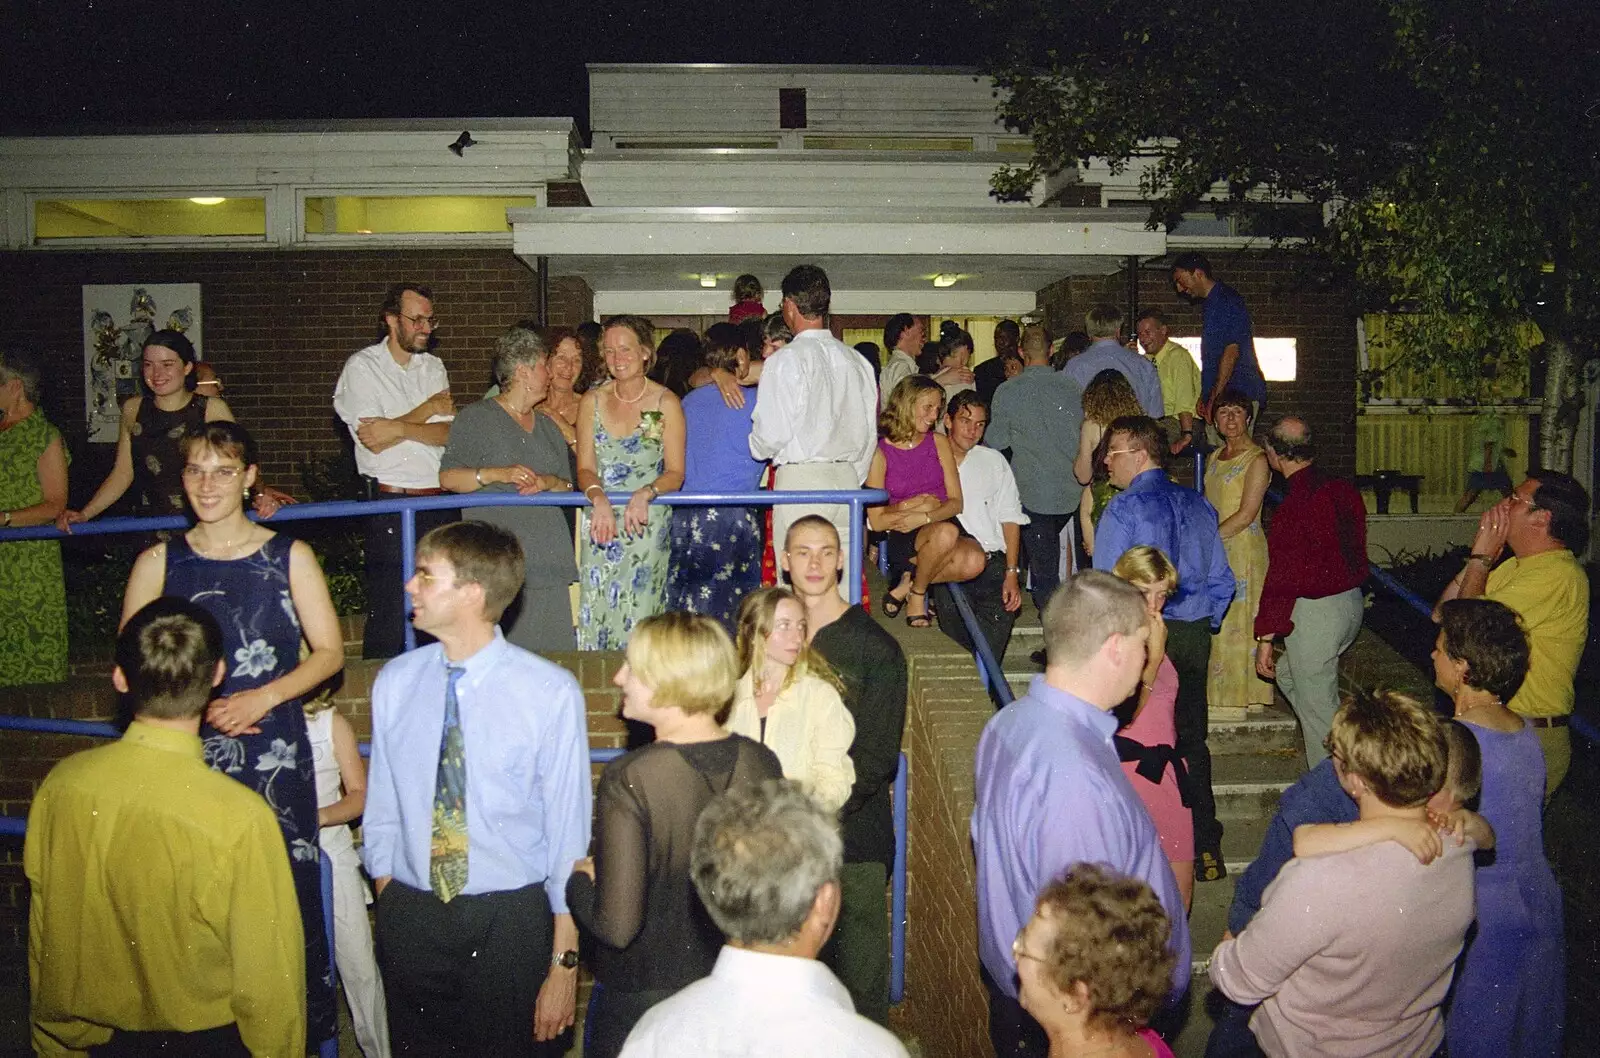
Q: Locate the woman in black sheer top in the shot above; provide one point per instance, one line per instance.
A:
(633, 898)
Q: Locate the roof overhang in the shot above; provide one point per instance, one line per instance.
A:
(653, 258)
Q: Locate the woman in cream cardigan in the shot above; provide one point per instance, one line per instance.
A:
(788, 698)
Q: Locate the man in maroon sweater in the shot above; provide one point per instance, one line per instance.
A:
(1317, 561)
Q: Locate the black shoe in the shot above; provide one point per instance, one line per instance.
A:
(1208, 866)
(1039, 658)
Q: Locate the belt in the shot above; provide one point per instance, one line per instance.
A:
(1547, 721)
(400, 491)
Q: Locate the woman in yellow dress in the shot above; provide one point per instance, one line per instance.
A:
(1236, 482)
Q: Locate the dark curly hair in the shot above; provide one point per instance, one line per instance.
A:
(1489, 637)
(1111, 933)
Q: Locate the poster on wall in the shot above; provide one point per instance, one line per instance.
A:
(116, 321)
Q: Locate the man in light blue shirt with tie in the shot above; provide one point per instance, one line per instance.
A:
(477, 807)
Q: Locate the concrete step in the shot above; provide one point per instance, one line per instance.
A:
(1247, 787)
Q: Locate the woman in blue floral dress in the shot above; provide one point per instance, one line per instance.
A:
(630, 440)
(267, 593)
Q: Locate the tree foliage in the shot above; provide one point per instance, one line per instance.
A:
(1454, 145)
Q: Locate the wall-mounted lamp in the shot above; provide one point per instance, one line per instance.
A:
(945, 279)
(208, 201)
(708, 279)
(463, 141)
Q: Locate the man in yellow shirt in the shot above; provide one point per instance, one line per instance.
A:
(163, 913)
(1545, 523)
(1179, 374)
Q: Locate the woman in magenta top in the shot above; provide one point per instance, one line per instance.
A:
(918, 469)
(1147, 744)
(1093, 965)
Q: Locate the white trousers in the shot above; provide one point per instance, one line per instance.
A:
(352, 944)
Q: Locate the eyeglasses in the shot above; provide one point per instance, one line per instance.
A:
(1516, 497)
(1018, 952)
(418, 321)
(191, 472)
(1122, 452)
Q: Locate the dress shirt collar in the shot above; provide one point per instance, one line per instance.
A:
(1101, 721)
(782, 973)
(1149, 479)
(150, 736)
(482, 662)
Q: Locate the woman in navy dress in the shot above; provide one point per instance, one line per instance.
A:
(1510, 990)
(267, 593)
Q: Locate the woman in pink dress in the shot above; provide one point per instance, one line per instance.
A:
(1093, 965)
(1146, 743)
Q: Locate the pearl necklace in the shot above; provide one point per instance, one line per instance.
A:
(616, 391)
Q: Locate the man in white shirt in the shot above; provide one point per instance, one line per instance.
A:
(394, 396)
(992, 515)
(903, 336)
(765, 862)
(816, 414)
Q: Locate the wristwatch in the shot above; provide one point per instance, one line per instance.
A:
(566, 960)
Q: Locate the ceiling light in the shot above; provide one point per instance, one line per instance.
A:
(945, 279)
(708, 279)
(208, 201)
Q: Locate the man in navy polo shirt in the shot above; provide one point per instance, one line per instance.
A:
(1227, 343)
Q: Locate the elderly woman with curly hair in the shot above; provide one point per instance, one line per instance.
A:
(1094, 967)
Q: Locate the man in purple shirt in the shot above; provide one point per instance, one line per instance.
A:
(1106, 352)
(1051, 792)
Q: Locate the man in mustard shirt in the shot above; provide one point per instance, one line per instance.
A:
(163, 913)
(1545, 523)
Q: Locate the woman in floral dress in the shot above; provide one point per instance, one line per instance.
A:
(631, 440)
(33, 490)
(267, 593)
(1236, 483)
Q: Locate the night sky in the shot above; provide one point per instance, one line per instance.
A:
(116, 63)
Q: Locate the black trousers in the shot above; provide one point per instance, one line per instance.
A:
(1012, 1030)
(612, 1014)
(385, 636)
(221, 1042)
(1189, 647)
(983, 592)
(1041, 542)
(462, 978)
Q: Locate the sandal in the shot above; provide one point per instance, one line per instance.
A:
(918, 620)
(893, 604)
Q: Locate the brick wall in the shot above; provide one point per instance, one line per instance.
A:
(1283, 304)
(278, 326)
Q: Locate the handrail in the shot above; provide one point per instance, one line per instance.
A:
(16, 826)
(989, 667)
(407, 506)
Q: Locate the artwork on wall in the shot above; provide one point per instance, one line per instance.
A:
(116, 321)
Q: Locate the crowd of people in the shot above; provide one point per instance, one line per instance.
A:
(745, 850)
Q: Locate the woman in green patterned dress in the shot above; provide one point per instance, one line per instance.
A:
(630, 438)
(33, 490)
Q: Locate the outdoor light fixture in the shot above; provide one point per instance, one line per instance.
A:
(708, 279)
(463, 141)
(945, 279)
(207, 201)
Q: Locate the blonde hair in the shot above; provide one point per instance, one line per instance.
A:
(686, 660)
(1144, 566)
(896, 423)
(1394, 743)
(757, 613)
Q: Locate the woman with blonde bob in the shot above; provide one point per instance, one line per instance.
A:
(788, 698)
(634, 897)
(917, 467)
(1147, 743)
(1093, 965)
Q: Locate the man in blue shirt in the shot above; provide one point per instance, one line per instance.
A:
(1227, 339)
(477, 808)
(1153, 510)
(1051, 792)
(1106, 352)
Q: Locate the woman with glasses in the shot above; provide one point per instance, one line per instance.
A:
(267, 594)
(1093, 965)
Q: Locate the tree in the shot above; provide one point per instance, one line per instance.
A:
(1452, 147)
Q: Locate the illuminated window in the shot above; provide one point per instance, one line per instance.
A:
(410, 214)
(1275, 355)
(144, 218)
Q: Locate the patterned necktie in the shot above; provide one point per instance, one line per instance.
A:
(447, 870)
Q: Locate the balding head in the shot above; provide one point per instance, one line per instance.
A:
(1290, 439)
(1035, 344)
